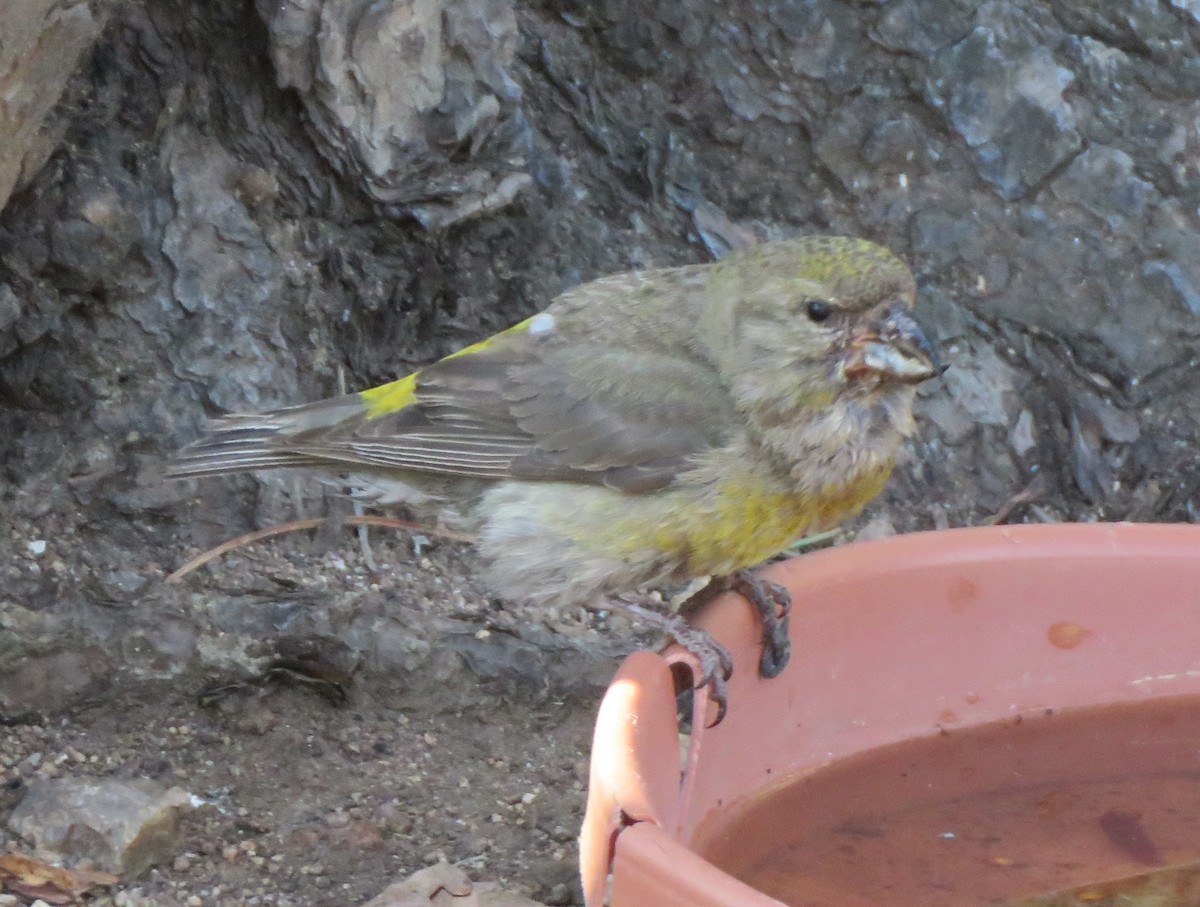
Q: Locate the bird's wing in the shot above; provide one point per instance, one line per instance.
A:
(558, 397)
(542, 410)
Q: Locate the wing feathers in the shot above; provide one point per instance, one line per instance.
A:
(550, 407)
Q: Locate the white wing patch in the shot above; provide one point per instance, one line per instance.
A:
(541, 324)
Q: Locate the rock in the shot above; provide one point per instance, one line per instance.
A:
(413, 99)
(440, 884)
(123, 827)
(222, 262)
(556, 882)
(43, 41)
(444, 885)
(490, 895)
(1005, 98)
(1103, 182)
(923, 27)
(45, 684)
(977, 389)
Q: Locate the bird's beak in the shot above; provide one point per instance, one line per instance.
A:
(892, 346)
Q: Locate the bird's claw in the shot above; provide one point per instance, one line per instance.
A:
(774, 605)
(715, 662)
(716, 666)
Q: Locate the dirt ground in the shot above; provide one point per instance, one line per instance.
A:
(324, 795)
(324, 784)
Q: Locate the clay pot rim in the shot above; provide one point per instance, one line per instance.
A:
(637, 716)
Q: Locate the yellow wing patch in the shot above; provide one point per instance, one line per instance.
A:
(396, 395)
(390, 397)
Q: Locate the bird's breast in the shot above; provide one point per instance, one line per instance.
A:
(740, 519)
(749, 522)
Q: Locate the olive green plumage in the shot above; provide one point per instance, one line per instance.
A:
(645, 428)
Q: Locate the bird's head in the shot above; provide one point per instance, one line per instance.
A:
(801, 324)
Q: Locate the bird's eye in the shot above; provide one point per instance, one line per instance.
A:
(818, 310)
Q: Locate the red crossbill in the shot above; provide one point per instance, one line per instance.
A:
(645, 429)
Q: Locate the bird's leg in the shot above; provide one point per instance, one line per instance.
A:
(772, 603)
(716, 664)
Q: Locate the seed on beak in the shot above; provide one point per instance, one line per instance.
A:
(895, 348)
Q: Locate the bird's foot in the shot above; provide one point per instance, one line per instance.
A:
(716, 664)
(774, 605)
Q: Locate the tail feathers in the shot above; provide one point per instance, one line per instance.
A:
(240, 443)
(203, 461)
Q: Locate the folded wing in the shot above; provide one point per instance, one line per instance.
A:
(521, 406)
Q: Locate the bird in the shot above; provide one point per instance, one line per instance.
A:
(645, 429)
